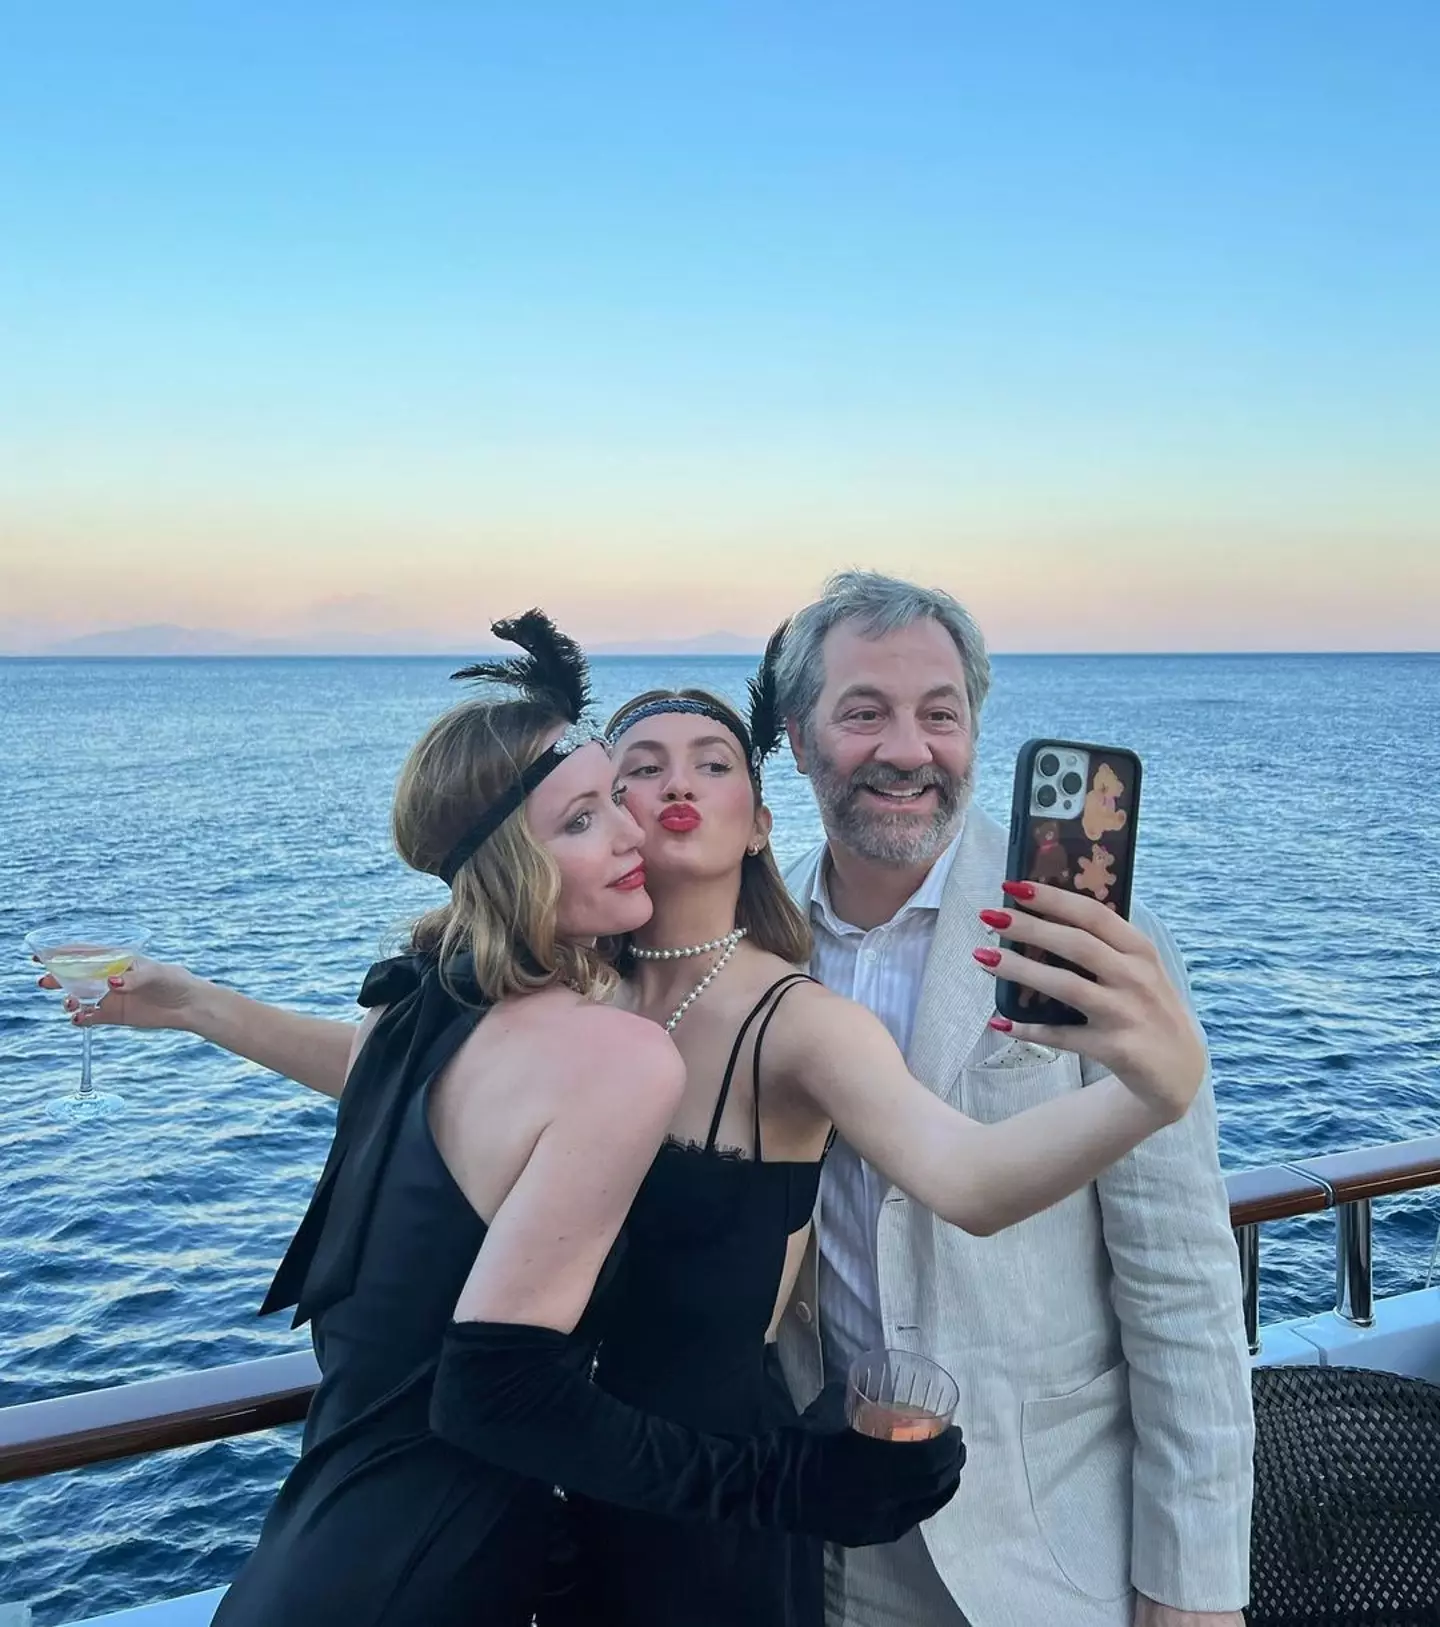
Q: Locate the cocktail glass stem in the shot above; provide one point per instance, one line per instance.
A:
(86, 1092)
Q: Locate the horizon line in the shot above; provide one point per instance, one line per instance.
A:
(685, 655)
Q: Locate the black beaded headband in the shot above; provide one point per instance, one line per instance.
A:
(553, 672)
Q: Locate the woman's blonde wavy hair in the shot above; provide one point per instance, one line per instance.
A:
(771, 918)
(504, 899)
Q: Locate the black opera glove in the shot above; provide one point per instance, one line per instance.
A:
(521, 1398)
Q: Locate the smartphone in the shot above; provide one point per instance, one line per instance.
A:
(1073, 813)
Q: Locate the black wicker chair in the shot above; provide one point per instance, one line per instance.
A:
(1346, 1529)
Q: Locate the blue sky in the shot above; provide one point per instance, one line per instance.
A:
(656, 313)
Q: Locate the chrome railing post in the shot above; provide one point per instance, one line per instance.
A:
(1247, 1240)
(1354, 1282)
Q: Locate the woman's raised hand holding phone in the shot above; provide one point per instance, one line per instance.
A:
(1137, 1023)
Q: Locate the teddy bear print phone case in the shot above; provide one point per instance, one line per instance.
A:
(1072, 825)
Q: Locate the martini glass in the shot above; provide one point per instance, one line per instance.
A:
(81, 955)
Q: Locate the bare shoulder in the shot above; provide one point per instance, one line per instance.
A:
(814, 1008)
(626, 1043)
(557, 1067)
(814, 1024)
(617, 1080)
(571, 1044)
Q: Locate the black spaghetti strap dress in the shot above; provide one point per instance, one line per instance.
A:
(685, 1337)
(381, 1523)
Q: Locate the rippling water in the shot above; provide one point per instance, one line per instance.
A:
(240, 808)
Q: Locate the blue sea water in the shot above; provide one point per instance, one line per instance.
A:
(239, 808)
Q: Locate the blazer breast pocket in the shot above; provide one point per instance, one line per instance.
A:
(989, 1093)
(1079, 1451)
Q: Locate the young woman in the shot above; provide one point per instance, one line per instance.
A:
(472, 1201)
(773, 1063)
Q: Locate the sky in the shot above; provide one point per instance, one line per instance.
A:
(346, 323)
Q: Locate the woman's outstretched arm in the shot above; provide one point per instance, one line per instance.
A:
(314, 1051)
(984, 1177)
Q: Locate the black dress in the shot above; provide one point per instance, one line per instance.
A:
(381, 1521)
(685, 1338)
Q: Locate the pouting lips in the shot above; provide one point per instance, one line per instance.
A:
(680, 818)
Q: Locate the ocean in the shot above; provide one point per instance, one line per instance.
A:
(239, 809)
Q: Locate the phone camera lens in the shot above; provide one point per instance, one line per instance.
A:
(1049, 765)
(1071, 783)
(1045, 796)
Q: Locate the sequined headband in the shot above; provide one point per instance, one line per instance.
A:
(584, 733)
(552, 672)
(666, 706)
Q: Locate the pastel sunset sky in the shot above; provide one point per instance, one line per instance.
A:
(323, 321)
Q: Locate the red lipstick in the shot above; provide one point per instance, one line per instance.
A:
(631, 880)
(680, 816)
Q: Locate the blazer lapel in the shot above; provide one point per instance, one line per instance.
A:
(957, 1000)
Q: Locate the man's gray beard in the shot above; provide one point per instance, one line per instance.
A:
(896, 839)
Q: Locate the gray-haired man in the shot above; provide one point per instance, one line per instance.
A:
(1098, 1347)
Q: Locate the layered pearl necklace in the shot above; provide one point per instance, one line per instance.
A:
(725, 947)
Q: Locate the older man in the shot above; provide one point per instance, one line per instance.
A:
(1098, 1347)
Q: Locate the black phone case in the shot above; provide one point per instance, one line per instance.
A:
(1090, 849)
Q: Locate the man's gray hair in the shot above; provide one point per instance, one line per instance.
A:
(878, 605)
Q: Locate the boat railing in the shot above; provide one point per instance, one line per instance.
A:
(155, 1415)
(188, 1409)
(1345, 1182)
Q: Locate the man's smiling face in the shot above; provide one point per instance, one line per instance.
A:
(889, 747)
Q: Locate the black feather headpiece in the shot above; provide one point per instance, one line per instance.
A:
(553, 667)
(552, 671)
(766, 723)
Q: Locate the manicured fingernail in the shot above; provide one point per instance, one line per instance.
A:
(987, 957)
(117, 982)
(1003, 1024)
(999, 919)
(71, 1005)
(1017, 889)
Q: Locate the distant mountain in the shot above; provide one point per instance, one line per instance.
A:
(161, 639)
(164, 638)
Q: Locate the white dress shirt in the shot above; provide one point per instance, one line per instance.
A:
(882, 969)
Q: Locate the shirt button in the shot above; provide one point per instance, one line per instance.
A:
(803, 1313)
(870, 954)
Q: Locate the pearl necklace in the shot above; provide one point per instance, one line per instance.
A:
(727, 947)
(728, 941)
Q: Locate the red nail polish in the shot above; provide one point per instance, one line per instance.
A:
(999, 919)
(1003, 1024)
(117, 982)
(987, 957)
(1018, 889)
